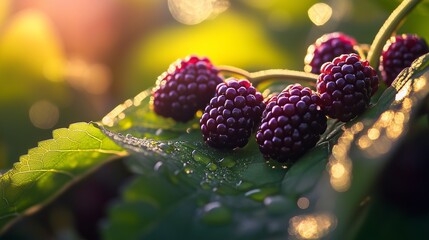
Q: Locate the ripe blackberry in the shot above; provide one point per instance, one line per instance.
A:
(398, 53)
(185, 88)
(235, 110)
(345, 86)
(326, 48)
(291, 124)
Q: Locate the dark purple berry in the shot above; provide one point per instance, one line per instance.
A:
(186, 87)
(291, 124)
(326, 48)
(398, 53)
(232, 115)
(345, 86)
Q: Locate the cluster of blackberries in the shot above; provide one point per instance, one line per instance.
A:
(290, 123)
(398, 53)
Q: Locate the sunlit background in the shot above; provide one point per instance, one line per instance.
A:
(64, 61)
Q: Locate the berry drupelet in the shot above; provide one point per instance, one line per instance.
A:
(398, 53)
(232, 115)
(326, 48)
(291, 124)
(345, 86)
(185, 88)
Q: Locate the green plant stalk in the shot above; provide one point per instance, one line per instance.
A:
(272, 74)
(392, 23)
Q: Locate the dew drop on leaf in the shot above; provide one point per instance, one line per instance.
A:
(157, 166)
(199, 157)
(188, 170)
(227, 162)
(212, 166)
(215, 213)
(259, 194)
(278, 205)
(243, 185)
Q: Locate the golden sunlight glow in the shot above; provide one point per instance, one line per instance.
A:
(117, 113)
(373, 133)
(407, 103)
(340, 165)
(340, 175)
(364, 142)
(312, 226)
(91, 78)
(303, 203)
(30, 35)
(338, 170)
(320, 13)
(419, 84)
(191, 12)
(404, 91)
(44, 114)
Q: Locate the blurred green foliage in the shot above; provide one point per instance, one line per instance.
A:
(36, 60)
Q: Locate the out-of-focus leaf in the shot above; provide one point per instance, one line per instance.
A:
(30, 36)
(52, 166)
(367, 145)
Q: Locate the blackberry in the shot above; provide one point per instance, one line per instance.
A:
(398, 53)
(232, 115)
(345, 86)
(291, 124)
(185, 88)
(326, 48)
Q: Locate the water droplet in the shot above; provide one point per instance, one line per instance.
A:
(260, 194)
(243, 186)
(278, 205)
(227, 162)
(216, 214)
(205, 185)
(199, 157)
(277, 165)
(157, 166)
(225, 189)
(188, 170)
(158, 131)
(212, 166)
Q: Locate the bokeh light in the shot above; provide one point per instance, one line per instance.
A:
(320, 13)
(312, 226)
(44, 114)
(303, 203)
(191, 12)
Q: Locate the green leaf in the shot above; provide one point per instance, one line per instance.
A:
(185, 189)
(49, 168)
(225, 191)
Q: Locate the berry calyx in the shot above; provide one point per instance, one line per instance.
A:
(232, 115)
(398, 53)
(291, 124)
(186, 87)
(345, 86)
(326, 48)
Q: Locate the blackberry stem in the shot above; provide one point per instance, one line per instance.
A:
(259, 77)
